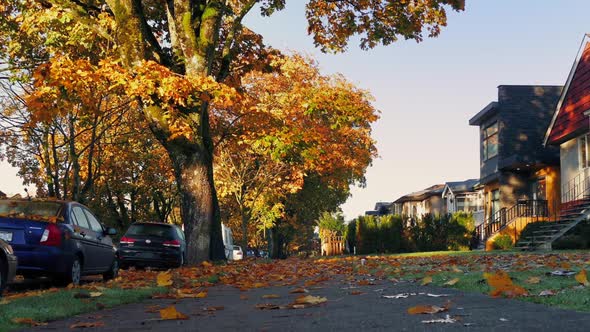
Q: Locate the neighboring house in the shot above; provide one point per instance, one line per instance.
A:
(2, 194)
(381, 209)
(464, 196)
(428, 201)
(569, 128)
(519, 175)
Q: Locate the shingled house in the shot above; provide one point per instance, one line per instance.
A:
(464, 196)
(520, 177)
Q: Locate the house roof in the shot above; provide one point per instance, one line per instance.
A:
(460, 186)
(569, 119)
(421, 195)
(485, 113)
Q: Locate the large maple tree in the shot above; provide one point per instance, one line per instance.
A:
(175, 59)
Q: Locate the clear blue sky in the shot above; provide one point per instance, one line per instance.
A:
(427, 92)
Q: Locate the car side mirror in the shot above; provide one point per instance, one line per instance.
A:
(111, 231)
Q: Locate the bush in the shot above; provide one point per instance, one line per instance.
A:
(570, 242)
(503, 242)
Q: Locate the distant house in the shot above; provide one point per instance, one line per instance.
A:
(415, 205)
(2, 194)
(519, 175)
(569, 128)
(464, 196)
(381, 209)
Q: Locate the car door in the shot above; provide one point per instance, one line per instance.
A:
(104, 242)
(87, 238)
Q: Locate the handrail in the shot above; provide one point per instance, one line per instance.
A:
(504, 217)
(576, 188)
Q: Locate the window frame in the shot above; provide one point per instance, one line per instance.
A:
(487, 137)
(583, 157)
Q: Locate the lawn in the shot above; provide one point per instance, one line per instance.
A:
(535, 272)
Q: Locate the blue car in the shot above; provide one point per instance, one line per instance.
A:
(59, 239)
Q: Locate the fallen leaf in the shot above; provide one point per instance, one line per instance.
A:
(214, 308)
(547, 292)
(206, 264)
(446, 320)
(243, 297)
(310, 299)
(582, 278)
(437, 295)
(427, 280)
(562, 273)
(426, 309)
(501, 284)
(397, 296)
(452, 282)
(267, 306)
(456, 270)
(83, 325)
(533, 280)
(28, 321)
(170, 313)
(271, 296)
(95, 294)
(164, 279)
(299, 290)
(355, 292)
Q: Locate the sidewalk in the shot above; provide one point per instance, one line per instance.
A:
(368, 311)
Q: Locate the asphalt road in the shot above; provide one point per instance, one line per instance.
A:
(367, 311)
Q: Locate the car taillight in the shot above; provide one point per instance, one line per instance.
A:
(51, 236)
(127, 240)
(172, 243)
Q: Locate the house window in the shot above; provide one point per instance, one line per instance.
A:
(490, 141)
(583, 152)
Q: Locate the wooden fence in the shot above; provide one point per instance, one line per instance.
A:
(333, 246)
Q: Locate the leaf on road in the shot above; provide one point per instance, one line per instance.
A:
(446, 320)
(437, 295)
(397, 296)
(426, 309)
(214, 308)
(427, 280)
(164, 279)
(83, 325)
(582, 278)
(28, 321)
(267, 306)
(310, 299)
(452, 282)
(299, 290)
(271, 296)
(533, 280)
(355, 292)
(501, 284)
(171, 313)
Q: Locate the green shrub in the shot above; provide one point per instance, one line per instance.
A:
(570, 242)
(503, 242)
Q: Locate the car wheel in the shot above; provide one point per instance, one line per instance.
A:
(113, 272)
(74, 273)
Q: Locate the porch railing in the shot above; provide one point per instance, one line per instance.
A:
(531, 209)
(575, 189)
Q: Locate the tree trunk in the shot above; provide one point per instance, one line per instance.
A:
(245, 221)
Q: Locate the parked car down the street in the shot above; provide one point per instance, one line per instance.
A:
(152, 244)
(59, 239)
(8, 263)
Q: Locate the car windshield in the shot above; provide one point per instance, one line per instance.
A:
(36, 210)
(151, 230)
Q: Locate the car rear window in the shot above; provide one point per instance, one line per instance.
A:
(37, 210)
(151, 230)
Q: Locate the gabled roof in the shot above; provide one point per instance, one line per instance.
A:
(569, 119)
(421, 195)
(460, 186)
